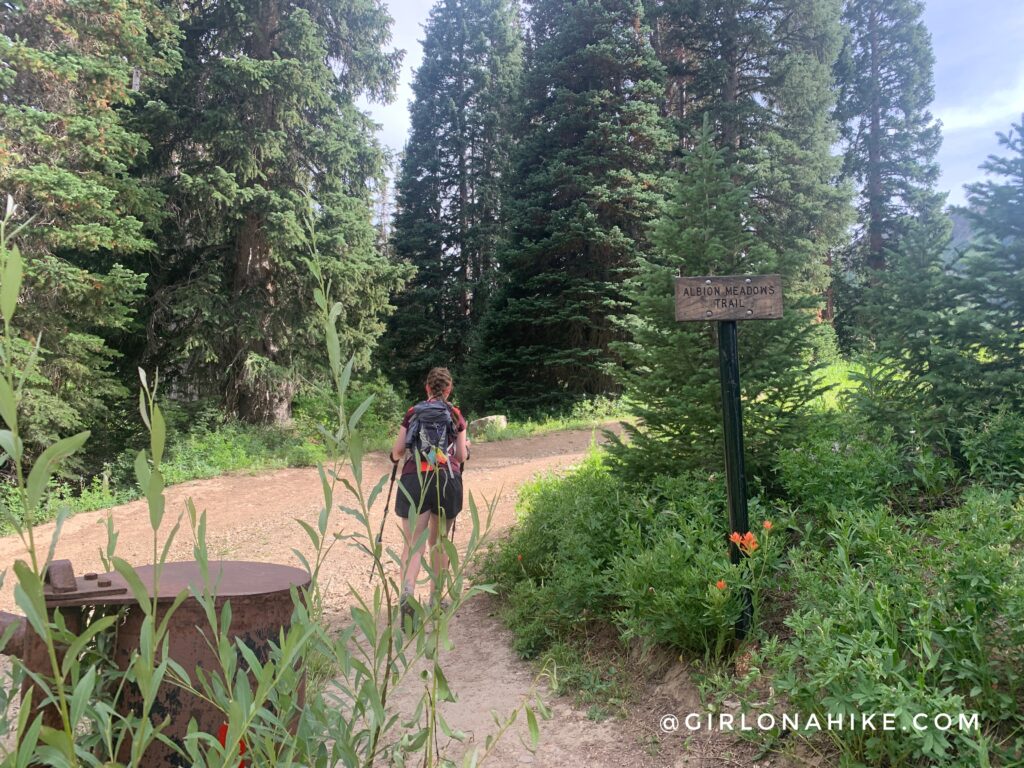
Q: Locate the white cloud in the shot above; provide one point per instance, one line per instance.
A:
(986, 109)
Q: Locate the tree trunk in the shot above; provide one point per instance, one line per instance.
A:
(257, 391)
(255, 395)
(875, 256)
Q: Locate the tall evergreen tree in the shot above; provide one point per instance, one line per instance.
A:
(711, 226)
(890, 139)
(70, 75)
(884, 80)
(949, 338)
(586, 186)
(992, 323)
(259, 130)
(452, 181)
(762, 71)
(751, 86)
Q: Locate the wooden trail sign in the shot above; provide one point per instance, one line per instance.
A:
(729, 297)
(726, 300)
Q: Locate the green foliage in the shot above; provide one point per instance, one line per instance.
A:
(600, 685)
(315, 407)
(589, 549)
(838, 462)
(453, 183)
(908, 621)
(265, 701)
(835, 381)
(890, 141)
(256, 135)
(67, 147)
(948, 339)
(761, 72)
(66, 139)
(673, 582)
(711, 226)
(994, 449)
(991, 325)
(552, 565)
(586, 184)
(584, 414)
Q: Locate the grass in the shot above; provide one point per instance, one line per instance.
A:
(585, 415)
(838, 376)
(597, 679)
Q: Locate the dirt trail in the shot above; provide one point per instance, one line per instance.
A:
(251, 518)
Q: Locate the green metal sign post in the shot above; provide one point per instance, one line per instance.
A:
(726, 300)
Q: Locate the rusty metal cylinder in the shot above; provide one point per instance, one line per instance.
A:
(261, 606)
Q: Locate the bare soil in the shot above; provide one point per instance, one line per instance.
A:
(253, 518)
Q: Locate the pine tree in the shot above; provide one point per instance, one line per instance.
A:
(259, 130)
(452, 182)
(70, 77)
(750, 90)
(762, 72)
(992, 298)
(586, 186)
(948, 337)
(916, 368)
(885, 85)
(711, 226)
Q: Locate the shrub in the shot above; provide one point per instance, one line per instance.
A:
(838, 462)
(994, 449)
(925, 619)
(551, 568)
(316, 406)
(673, 583)
(589, 548)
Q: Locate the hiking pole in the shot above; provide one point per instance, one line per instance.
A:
(462, 474)
(380, 533)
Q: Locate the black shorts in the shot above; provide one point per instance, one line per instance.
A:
(450, 493)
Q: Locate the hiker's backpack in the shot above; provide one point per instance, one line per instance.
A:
(431, 434)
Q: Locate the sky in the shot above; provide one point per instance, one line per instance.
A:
(979, 79)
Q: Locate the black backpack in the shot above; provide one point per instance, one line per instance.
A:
(431, 433)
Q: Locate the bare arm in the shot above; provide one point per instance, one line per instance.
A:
(461, 447)
(398, 449)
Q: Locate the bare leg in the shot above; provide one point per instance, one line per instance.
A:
(412, 560)
(439, 554)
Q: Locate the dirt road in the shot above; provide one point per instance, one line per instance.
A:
(252, 518)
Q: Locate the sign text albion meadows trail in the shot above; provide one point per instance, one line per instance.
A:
(735, 297)
(726, 299)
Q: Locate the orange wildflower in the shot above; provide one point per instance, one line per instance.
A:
(720, 584)
(767, 525)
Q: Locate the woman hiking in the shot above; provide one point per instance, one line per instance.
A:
(433, 442)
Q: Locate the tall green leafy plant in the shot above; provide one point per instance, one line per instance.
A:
(351, 721)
